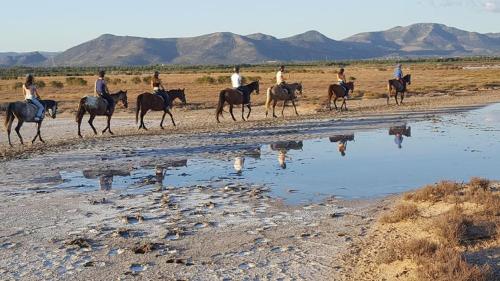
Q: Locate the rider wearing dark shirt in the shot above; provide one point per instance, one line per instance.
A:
(102, 90)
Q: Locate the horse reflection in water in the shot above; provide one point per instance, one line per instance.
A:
(161, 170)
(105, 177)
(342, 142)
(283, 147)
(239, 158)
(239, 163)
(399, 132)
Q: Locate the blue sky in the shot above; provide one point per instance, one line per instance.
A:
(29, 25)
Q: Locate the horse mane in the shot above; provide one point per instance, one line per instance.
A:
(49, 103)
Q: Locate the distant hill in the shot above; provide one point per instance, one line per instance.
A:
(418, 40)
(430, 39)
(18, 59)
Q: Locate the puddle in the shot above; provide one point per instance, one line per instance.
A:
(362, 165)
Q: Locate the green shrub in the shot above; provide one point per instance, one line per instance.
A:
(40, 84)
(206, 80)
(76, 81)
(223, 79)
(136, 80)
(56, 84)
(147, 80)
(17, 85)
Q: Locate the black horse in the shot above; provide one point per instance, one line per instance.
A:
(232, 97)
(25, 112)
(395, 87)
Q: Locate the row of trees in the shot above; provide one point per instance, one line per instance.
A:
(15, 72)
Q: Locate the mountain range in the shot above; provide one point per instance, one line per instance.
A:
(417, 40)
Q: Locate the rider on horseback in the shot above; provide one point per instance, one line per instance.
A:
(398, 74)
(101, 89)
(343, 81)
(158, 88)
(31, 94)
(281, 81)
(236, 82)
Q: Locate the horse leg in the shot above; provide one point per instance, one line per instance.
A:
(18, 127)
(171, 117)
(335, 102)
(295, 108)
(79, 121)
(249, 110)
(231, 111)
(163, 118)
(91, 120)
(344, 104)
(329, 102)
(108, 127)
(243, 112)
(39, 124)
(402, 97)
(143, 113)
(274, 106)
(396, 98)
(283, 109)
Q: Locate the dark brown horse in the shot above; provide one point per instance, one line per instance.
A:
(232, 97)
(395, 87)
(339, 92)
(96, 106)
(148, 101)
(276, 93)
(26, 112)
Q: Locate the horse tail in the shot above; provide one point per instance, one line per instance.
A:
(138, 108)
(81, 109)
(220, 105)
(10, 117)
(268, 98)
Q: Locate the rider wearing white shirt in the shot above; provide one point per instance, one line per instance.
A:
(280, 79)
(30, 93)
(236, 81)
(236, 78)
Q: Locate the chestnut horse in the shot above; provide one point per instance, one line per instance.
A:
(395, 87)
(96, 106)
(26, 112)
(232, 97)
(148, 101)
(339, 92)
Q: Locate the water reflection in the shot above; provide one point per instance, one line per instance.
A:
(239, 163)
(105, 176)
(161, 170)
(283, 147)
(399, 132)
(342, 142)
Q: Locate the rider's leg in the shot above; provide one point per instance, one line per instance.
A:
(39, 106)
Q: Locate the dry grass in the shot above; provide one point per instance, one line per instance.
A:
(455, 221)
(400, 213)
(434, 193)
(453, 226)
(449, 265)
(415, 249)
(370, 79)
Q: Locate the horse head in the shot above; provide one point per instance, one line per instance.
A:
(299, 88)
(183, 96)
(122, 96)
(51, 108)
(351, 86)
(256, 87)
(407, 78)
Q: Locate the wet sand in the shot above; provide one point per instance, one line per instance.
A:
(205, 232)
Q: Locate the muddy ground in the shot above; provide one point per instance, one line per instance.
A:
(202, 232)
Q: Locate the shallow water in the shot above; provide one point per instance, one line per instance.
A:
(376, 162)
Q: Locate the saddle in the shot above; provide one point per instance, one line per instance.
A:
(97, 101)
(30, 111)
(400, 87)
